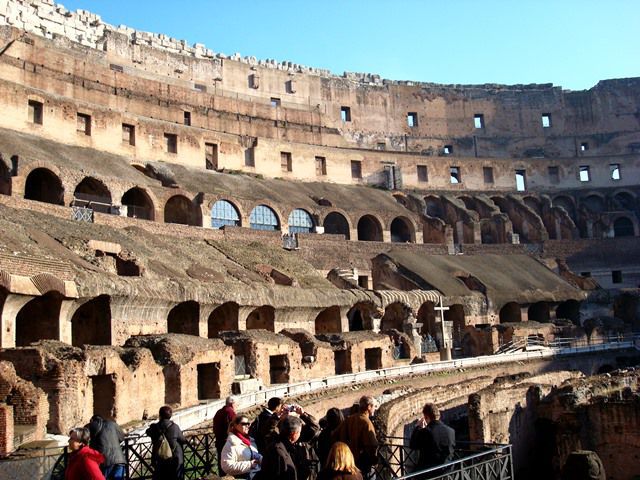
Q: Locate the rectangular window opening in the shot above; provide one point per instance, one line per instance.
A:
(381, 146)
(423, 174)
(211, 156)
(363, 281)
(616, 276)
(286, 162)
(447, 150)
(546, 120)
(321, 166)
(83, 124)
(478, 120)
(35, 112)
(585, 173)
(356, 169)
(487, 173)
(521, 180)
(171, 142)
(275, 102)
(614, 171)
(290, 86)
(584, 146)
(128, 134)
(412, 119)
(345, 114)
(455, 176)
(554, 175)
(250, 157)
(187, 119)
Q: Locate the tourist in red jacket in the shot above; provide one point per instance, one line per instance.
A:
(84, 462)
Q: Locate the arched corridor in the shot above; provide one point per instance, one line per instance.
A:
(369, 229)
(394, 317)
(91, 323)
(184, 318)
(179, 209)
(44, 186)
(138, 204)
(402, 231)
(336, 224)
(328, 321)
(539, 312)
(262, 318)
(223, 318)
(39, 319)
(510, 313)
(360, 316)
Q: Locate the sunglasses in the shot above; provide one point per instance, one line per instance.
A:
(244, 423)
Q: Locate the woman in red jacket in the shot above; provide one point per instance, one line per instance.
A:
(84, 462)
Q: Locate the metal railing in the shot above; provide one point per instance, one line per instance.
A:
(574, 344)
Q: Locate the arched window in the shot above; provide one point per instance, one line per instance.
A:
(336, 224)
(300, 221)
(264, 218)
(369, 229)
(401, 230)
(623, 227)
(138, 204)
(44, 186)
(224, 213)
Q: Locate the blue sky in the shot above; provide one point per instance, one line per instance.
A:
(571, 43)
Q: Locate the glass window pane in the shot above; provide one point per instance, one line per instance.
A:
(300, 221)
(224, 213)
(263, 218)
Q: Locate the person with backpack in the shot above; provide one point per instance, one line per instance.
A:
(167, 456)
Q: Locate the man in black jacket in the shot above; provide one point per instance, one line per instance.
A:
(278, 462)
(433, 439)
(106, 437)
(170, 468)
(264, 428)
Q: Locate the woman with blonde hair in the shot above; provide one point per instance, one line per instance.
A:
(340, 464)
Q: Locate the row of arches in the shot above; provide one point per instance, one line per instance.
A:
(542, 312)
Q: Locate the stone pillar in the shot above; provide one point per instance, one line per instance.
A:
(203, 321)
(386, 236)
(65, 328)
(477, 233)
(353, 234)
(419, 237)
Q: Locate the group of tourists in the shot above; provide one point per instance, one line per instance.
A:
(284, 442)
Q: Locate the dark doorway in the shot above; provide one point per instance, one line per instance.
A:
(39, 319)
(104, 395)
(262, 318)
(181, 210)
(402, 231)
(328, 321)
(510, 313)
(359, 317)
(369, 229)
(427, 317)
(44, 186)
(569, 310)
(208, 381)
(394, 317)
(336, 224)
(5, 179)
(539, 312)
(138, 204)
(223, 318)
(372, 358)
(623, 227)
(184, 318)
(278, 369)
(91, 323)
(172, 384)
(342, 360)
(92, 193)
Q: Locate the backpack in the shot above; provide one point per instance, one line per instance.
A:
(164, 449)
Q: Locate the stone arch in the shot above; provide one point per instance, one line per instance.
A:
(510, 312)
(623, 227)
(568, 204)
(570, 310)
(223, 318)
(328, 321)
(401, 198)
(489, 232)
(434, 207)
(539, 312)
(138, 203)
(360, 316)
(223, 213)
(623, 200)
(427, 316)
(179, 209)
(91, 323)
(92, 193)
(324, 202)
(5, 177)
(184, 318)
(402, 230)
(533, 203)
(45, 186)
(337, 224)
(39, 319)
(369, 229)
(455, 314)
(263, 217)
(300, 221)
(394, 316)
(262, 318)
(594, 202)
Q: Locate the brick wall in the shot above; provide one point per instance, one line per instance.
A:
(6, 429)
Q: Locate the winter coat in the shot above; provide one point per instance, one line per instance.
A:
(358, 432)
(106, 436)
(174, 437)
(237, 458)
(221, 421)
(278, 463)
(84, 464)
(435, 442)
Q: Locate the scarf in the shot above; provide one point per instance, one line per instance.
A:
(245, 440)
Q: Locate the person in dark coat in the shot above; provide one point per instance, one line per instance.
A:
(340, 464)
(278, 463)
(304, 452)
(84, 462)
(221, 421)
(106, 437)
(264, 430)
(433, 439)
(327, 437)
(171, 468)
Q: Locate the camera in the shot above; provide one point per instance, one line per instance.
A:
(292, 408)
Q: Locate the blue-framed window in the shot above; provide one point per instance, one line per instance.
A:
(264, 218)
(300, 221)
(224, 213)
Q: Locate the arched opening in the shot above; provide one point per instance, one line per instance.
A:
(300, 221)
(623, 227)
(92, 193)
(401, 199)
(402, 231)
(567, 204)
(510, 313)
(224, 318)
(569, 310)
(624, 201)
(262, 318)
(138, 204)
(594, 203)
(394, 317)
(360, 316)
(264, 218)
(534, 204)
(434, 208)
(5, 178)
(179, 209)
(369, 229)
(184, 318)
(328, 321)
(39, 319)
(455, 314)
(336, 224)
(488, 232)
(324, 202)
(427, 317)
(224, 213)
(91, 323)
(539, 312)
(44, 186)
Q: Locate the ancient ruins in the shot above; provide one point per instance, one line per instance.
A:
(179, 225)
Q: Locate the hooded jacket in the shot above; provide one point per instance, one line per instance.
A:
(106, 436)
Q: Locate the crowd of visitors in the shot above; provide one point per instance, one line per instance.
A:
(284, 442)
